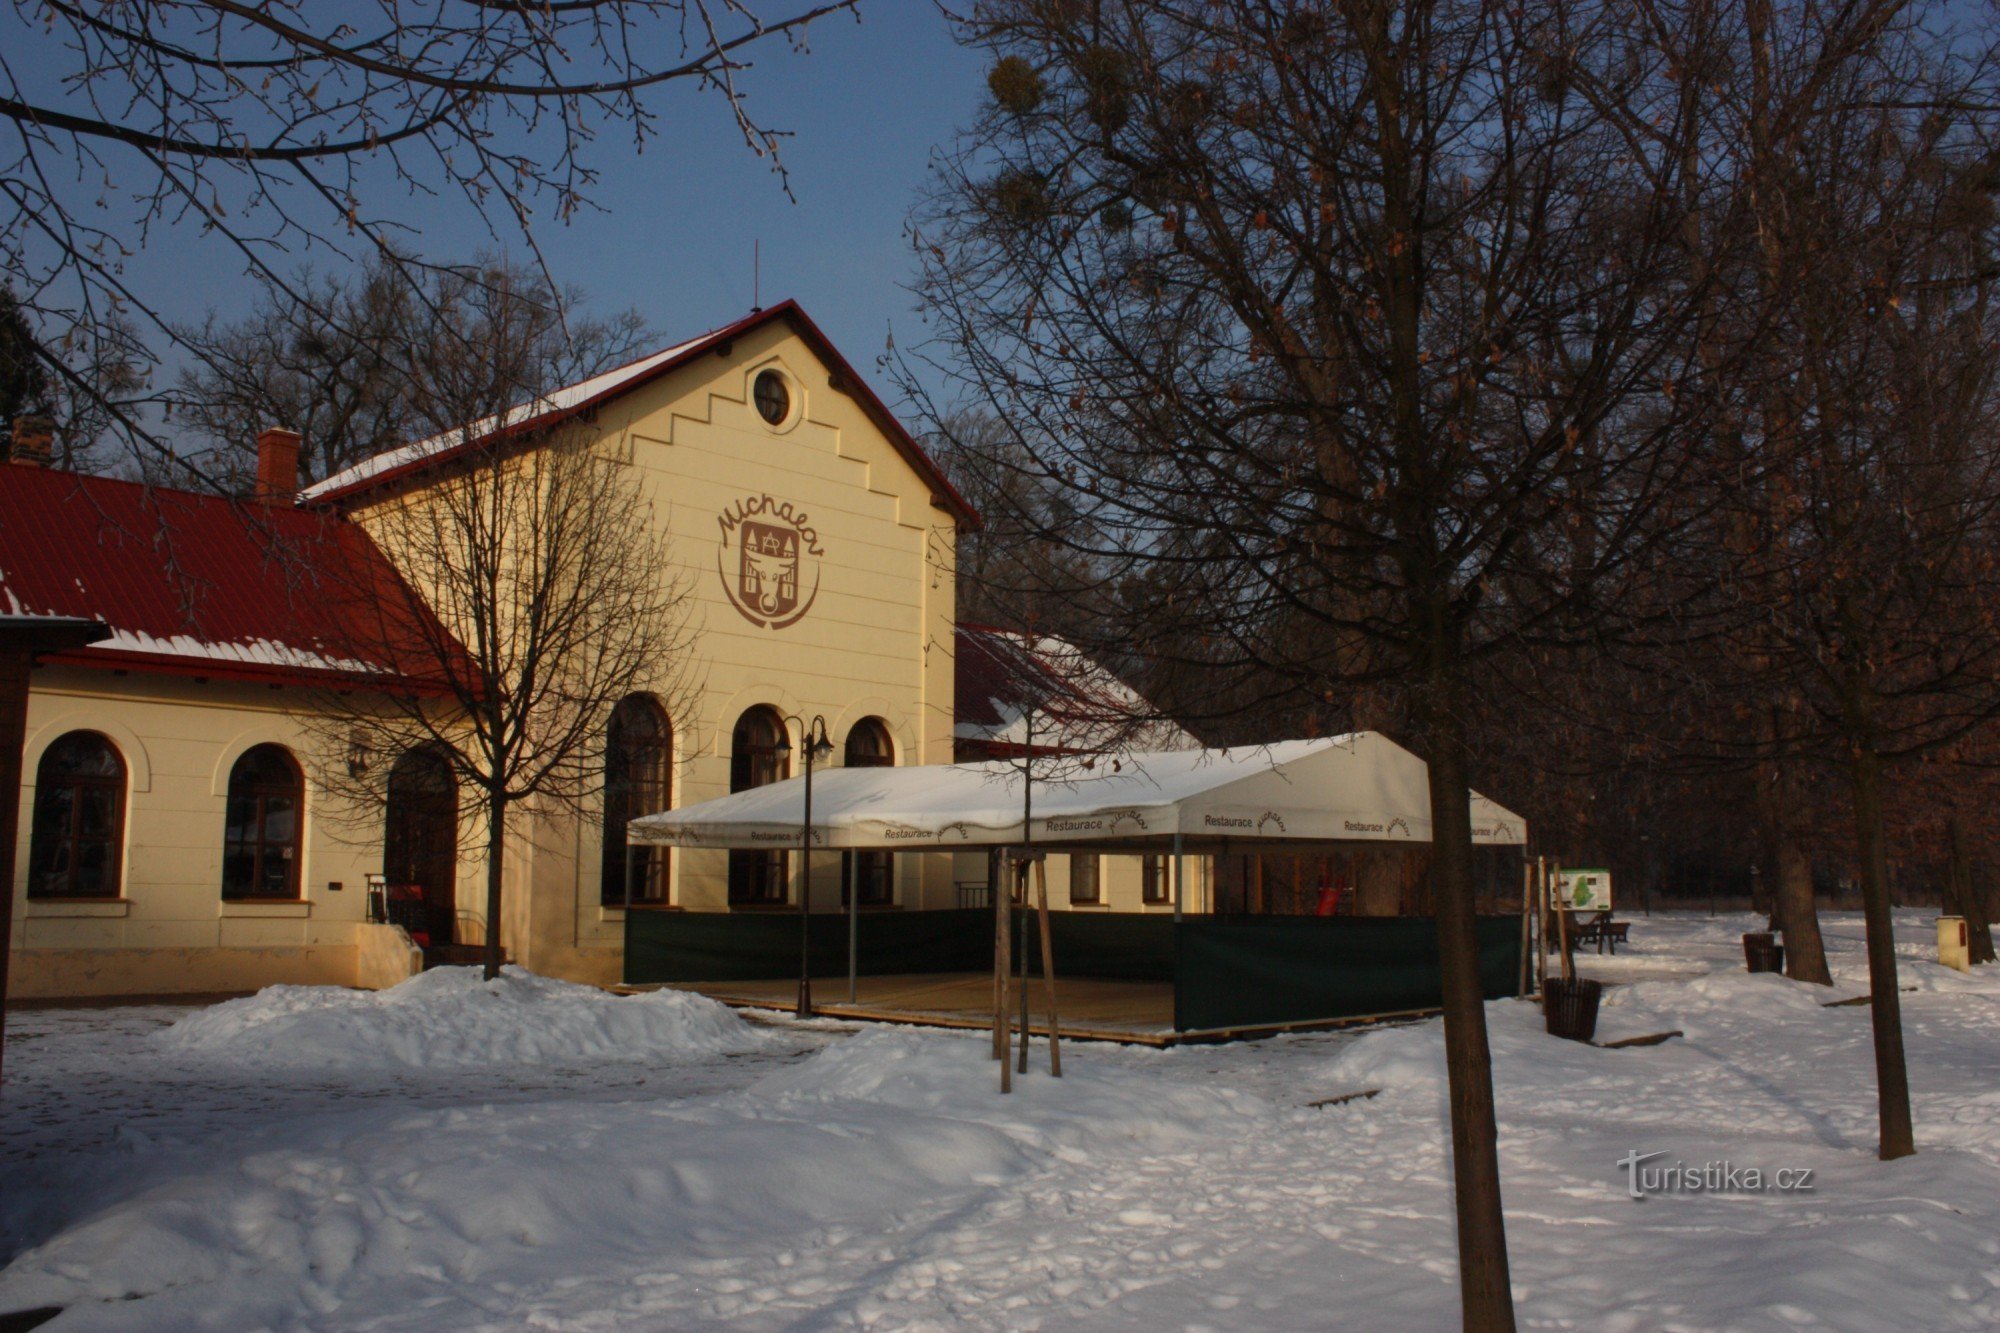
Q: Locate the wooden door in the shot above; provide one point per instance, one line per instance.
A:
(420, 840)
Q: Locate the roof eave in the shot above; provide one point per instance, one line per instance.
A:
(248, 673)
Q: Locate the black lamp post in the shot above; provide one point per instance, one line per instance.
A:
(817, 747)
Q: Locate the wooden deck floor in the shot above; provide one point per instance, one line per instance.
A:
(1089, 1009)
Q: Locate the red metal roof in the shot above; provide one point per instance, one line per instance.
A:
(943, 493)
(195, 584)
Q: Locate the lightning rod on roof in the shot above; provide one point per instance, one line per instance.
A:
(756, 296)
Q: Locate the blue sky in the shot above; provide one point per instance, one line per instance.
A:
(866, 106)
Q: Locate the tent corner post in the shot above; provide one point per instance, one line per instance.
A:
(1180, 887)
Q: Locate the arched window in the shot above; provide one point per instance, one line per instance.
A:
(79, 825)
(870, 874)
(758, 755)
(638, 773)
(260, 827)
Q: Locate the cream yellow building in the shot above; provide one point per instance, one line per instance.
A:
(818, 540)
(171, 838)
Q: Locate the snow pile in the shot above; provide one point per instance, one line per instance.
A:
(451, 1018)
(1404, 1061)
(880, 1181)
(343, 1220)
(1092, 1107)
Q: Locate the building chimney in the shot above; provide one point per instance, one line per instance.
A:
(34, 442)
(277, 466)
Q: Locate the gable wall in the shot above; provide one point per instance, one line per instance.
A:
(873, 640)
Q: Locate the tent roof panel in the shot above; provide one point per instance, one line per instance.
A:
(1361, 787)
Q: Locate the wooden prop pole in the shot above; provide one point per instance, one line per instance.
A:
(1542, 927)
(1026, 869)
(994, 873)
(1048, 967)
(1562, 934)
(1527, 898)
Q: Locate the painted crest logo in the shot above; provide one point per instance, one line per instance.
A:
(774, 575)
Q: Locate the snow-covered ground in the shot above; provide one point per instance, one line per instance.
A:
(531, 1155)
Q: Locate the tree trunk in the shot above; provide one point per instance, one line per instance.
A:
(1962, 896)
(496, 842)
(1805, 952)
(1484, 1285)
(1892, 1079)
(1793, 909)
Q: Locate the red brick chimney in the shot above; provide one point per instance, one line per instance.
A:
(277, 466)
(34, 442)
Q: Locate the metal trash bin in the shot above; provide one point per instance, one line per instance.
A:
(1570, 1007)
(1762, 953)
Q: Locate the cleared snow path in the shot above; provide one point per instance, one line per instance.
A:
(878, 1181)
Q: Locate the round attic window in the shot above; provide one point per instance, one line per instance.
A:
(773, 398)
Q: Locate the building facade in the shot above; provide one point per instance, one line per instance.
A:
(173, 839)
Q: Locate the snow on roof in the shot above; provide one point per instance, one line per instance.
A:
(189, 582)
(549, 409)
(1016, 689)
(1361, 787)
(542, 406)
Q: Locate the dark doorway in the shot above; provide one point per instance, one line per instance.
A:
(871, 874)
(759, 754)
(638, 773)
(420, 838)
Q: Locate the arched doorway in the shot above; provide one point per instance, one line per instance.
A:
(638, 771)
(420, 837)
(870, 875)
(759, 754)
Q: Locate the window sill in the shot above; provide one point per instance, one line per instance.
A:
(267, 907)
(79, 907)
(616, 911)
(765, 908)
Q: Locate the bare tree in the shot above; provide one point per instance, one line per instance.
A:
(279, 130)
(352, 368)
(548, 595)
(1352, 333)
(1855, 539)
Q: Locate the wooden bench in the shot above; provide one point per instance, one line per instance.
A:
(1601, 930)
(1604, 932)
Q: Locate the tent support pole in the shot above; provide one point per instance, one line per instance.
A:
(1180, 895)
(995, 862)
(1001, 892)
(625, 950)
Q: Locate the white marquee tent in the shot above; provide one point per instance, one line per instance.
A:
(1360, 787)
